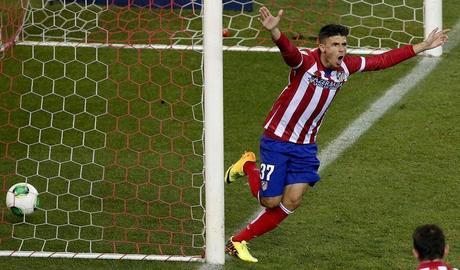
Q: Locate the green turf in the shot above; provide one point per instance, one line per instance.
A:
(360, 216)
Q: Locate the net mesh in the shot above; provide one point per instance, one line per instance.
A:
(111, 137)
(374, 24)
(102, 113)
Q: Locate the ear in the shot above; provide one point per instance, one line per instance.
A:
(322, 47)
(415, 253)
(446, 250)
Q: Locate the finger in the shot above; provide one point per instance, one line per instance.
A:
(433, 34)
(442, 34)
(265, 12)
(262, 17)
(261, 11)
(445, 39)
(280, 13)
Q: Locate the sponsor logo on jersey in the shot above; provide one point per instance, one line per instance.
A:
(318, 81)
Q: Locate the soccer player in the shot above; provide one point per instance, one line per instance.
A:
(430, 248)
(288, 162)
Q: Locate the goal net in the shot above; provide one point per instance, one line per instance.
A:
(101, 109)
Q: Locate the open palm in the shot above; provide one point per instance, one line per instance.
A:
(268, 20)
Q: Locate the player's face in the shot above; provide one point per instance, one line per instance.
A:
(333, 50)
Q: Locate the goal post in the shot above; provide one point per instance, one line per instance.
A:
(214, 132)
(432, 20)
(113, 110)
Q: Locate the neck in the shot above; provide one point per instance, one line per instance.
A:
(324, 61)
(429, 261)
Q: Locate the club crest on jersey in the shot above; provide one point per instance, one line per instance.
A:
(339, 76)
(264, 185)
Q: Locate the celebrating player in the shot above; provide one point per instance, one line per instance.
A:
(288, 162)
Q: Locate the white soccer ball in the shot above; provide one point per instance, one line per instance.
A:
(22, 199)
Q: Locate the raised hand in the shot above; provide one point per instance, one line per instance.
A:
(269, 21)
(436, 38)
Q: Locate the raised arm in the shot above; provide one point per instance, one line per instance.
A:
(395, 56)
(290, 53)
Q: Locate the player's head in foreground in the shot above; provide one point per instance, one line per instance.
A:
(332, 40)
(429, 243)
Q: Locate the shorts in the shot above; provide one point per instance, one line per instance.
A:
(286, 163)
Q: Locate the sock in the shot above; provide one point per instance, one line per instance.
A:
(267, 220)
(251, 170)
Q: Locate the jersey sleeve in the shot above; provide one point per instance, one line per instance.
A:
(290, 53)
(380, 61)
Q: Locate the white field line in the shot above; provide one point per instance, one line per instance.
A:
(358, 127)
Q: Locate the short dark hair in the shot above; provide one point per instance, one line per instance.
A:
(331, 30)
(429, 242)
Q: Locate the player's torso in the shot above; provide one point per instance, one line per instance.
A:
(298, 112)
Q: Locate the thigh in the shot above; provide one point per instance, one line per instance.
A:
(272, 170)
(303, 166)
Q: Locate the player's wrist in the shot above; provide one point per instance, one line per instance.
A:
(276, 33)
(425, 45)
(420, 47)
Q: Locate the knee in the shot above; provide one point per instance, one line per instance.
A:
(292, 203)
(270, 202)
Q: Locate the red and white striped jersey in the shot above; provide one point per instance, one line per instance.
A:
(434, 265)
(299, 110)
